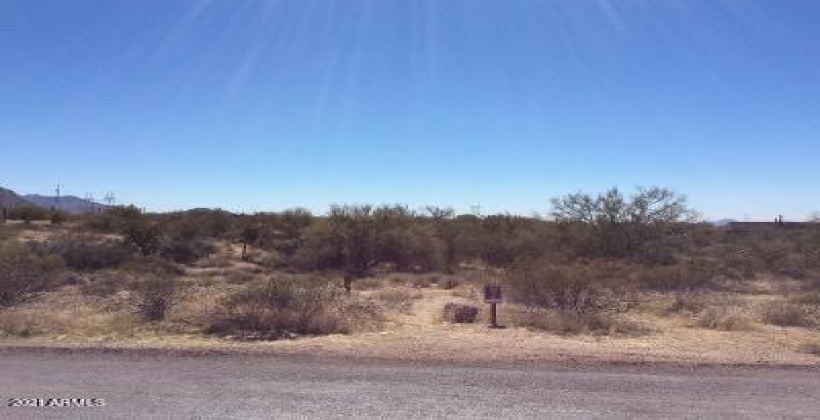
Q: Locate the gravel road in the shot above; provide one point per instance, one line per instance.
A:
(232, 386)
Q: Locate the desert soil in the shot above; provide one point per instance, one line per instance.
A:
(421, 334)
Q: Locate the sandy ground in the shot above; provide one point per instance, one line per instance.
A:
(420, 334)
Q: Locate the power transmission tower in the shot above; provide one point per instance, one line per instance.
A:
(90, 198)
(109, 198)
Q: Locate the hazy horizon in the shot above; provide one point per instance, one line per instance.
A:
(267, 105)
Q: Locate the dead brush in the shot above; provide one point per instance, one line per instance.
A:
(790, 315)
(282, 307)
(810, 347)
(66, 316)
(214, 261)
(19, 323)
(567, 322)
(466, 292)
(725, 318)
(398, 299)
(693, 301)
(369, 283)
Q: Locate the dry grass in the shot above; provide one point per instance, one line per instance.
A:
(400, 315)
(370, 283)
(574, 323)
(785, 314)
(725, 318)
(399, 299)
(466, 291)
(213, 261)
(69, 315)
(810, 347)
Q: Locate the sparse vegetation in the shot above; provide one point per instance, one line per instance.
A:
(24, 273)
(397, 298)
(725, 318)
(156, 294)
(790, 315)
(601, 263)
(280, 307)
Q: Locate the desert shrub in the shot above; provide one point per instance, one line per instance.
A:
(789, 315)
(467, 292)
(86, 255)
(58, 217)
(102, 284)
(567, 322)
(369, 283)
(151, 265)
(772, 253)
(25, 273)
(112, 219)
(360, 314)
(422, 282)
(569, 287)
(810, 298)
(739, 262)
(398, 298)
(460, 314)
(689, 300)
(724, 318)
(279, 307)
(28, 213)
(144, 235)
(692, 275)
(186, 251)
(214, 262)
(18, 324)
(654, 253)
(238, 277)
(450, 282)
(810, 347)
(155, 295)
(197, 223)
(271, 260)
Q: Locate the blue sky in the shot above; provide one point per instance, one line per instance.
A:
(266, 105)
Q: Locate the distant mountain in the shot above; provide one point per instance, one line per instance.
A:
(10, 199)
(69, 203)
(723, 222)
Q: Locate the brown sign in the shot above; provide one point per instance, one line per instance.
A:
(492, 294)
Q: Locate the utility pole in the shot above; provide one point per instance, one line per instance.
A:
(57, 198)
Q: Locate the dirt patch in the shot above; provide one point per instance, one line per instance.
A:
(422, 334)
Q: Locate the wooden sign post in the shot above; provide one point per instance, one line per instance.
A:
(492, 295)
